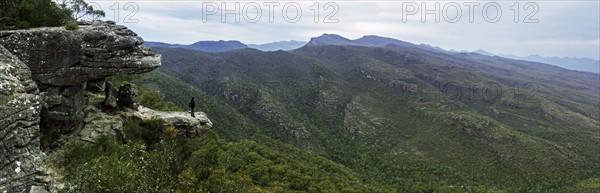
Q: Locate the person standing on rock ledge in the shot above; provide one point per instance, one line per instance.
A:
(193, 105)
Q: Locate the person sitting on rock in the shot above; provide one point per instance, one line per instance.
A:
(193, 105)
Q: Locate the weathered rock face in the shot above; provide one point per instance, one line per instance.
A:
(62, 62)
(20, 107)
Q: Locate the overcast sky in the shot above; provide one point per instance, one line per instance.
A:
(548, 28)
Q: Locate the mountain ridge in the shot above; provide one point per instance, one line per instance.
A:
(572, 63)
(229, 45)
(205, 46)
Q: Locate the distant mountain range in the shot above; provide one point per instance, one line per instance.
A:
(223, 46)
(572, 63)
(579, 64)
(282, 45)
(205, 46)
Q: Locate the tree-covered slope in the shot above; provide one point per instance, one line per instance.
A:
(411, 118)
(206, 164)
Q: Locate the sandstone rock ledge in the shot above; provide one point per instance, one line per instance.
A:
(99, 123)
(185, 124)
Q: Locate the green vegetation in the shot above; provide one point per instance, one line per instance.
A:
(402, 118)
(71, 26)
(31, 13)
(153, 100)
(20, 14)
(206, 164)
(589, 185)
(352, 119)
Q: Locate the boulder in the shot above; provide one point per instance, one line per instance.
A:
(20, 106)
(126, 96)
(110, 96)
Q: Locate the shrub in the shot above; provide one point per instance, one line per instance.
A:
(71, 26)
(22, 25)
(187, 182)
(171, 132)
(149, 132)
(152, 130)
(130, 169)
(75, 154)
(132, 129)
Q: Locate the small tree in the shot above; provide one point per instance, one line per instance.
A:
(81, 9)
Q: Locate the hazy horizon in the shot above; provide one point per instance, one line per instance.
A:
(546, 28)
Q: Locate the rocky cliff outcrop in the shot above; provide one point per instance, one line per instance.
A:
(44, 96)
(20, 107)
(43, 77)
(186, 125)
(62, 62)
